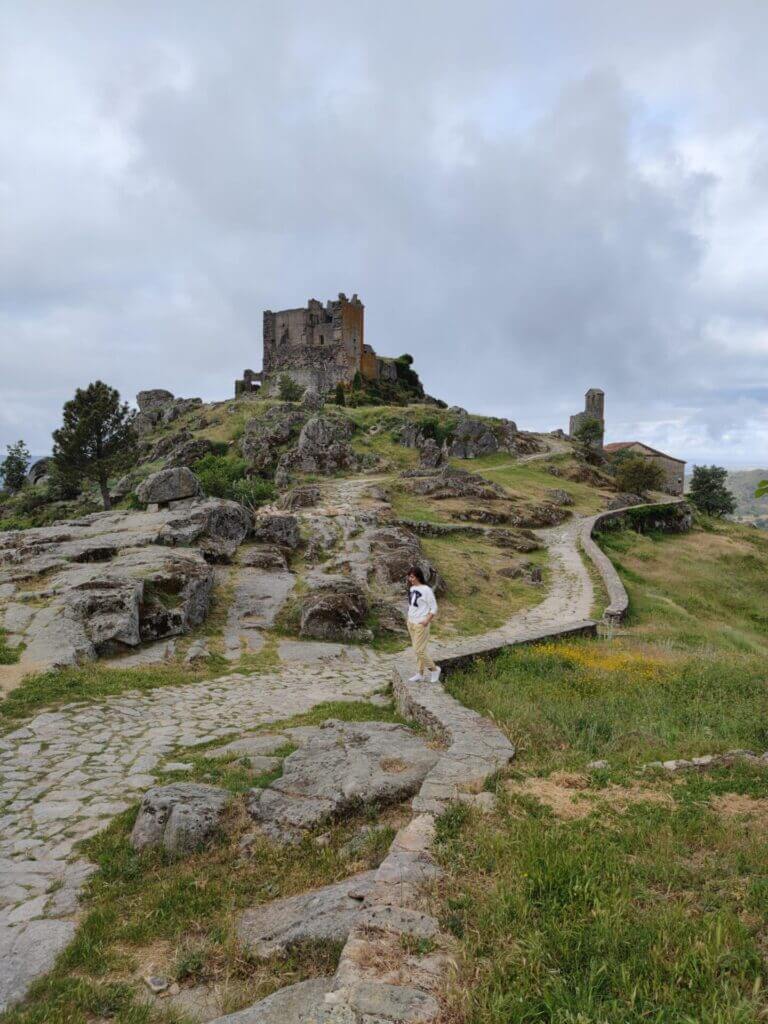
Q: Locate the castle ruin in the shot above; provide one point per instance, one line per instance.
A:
(318, 346)
(594, 409)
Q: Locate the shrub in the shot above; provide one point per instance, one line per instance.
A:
(223, 476)
(217, 473)
(636, 475)
(339, 398)
(252, 492)
(439, 430)
(288, 389)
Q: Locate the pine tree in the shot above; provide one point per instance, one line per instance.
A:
(97, 439)
(15, 465)
(709, 493)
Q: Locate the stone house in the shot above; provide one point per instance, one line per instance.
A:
(674, 469)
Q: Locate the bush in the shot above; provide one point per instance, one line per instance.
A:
(223, 476)
(439, 430)
(339, 397)
(288, 389)
(636, 475)
(252, 492)
(217, 473)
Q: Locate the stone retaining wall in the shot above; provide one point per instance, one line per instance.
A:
(618, 599)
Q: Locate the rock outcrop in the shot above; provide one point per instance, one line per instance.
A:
(431, 455)
(473, 438)
(341, 765)
(323, 448)
(40, 470)
(280, 530)
(178, 449)
(159, 407)
(267, 435)
(169, 485)
(302, 1003)
(394, 550)
(322, 914)
(181, 818)
(299, 497)
(449, 482)
(335, 610)
(107, 582)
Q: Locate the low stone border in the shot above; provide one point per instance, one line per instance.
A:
(709, 761)
(618, 599)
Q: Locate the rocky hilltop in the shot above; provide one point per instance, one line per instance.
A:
(240, 484)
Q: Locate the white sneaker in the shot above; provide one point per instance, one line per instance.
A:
(416, 679)
(434, 677)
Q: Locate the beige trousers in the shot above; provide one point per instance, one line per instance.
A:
(420, 638)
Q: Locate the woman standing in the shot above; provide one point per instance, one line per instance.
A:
(422, 608)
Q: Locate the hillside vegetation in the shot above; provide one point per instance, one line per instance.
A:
(742, 483)
(600, 889)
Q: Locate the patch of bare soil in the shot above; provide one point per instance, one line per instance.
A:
(569, 797)
(739, 806)
(12, 676)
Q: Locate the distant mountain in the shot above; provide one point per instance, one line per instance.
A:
(750, 509)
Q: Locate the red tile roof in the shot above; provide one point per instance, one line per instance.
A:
(618, 446)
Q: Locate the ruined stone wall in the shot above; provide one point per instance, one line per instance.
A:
(317, 346)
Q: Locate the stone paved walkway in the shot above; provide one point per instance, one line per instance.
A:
(67, 773)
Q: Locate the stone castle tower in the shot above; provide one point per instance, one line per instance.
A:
(594, 409)
(318, 346)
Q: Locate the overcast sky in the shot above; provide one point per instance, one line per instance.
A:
(531, 198)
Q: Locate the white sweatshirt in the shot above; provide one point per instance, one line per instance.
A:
(421, 603)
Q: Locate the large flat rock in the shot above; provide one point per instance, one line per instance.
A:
(326, 913)
(341, 765)
(27, 951)
(298, 1004)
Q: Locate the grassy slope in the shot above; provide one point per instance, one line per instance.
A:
(649, 905)
(530, 481)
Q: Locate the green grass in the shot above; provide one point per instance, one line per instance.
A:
(530, 480)
(705, 589)
(477, 598)
(95, 682)
(650, 903)
(8, 655)
(655, 914)
(568, 703)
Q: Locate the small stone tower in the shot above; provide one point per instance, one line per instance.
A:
(594, 409)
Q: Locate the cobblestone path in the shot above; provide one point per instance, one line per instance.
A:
(66, 773)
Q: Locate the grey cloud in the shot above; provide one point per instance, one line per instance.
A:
(510, 190)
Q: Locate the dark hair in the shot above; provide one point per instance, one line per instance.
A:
(416, 571)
